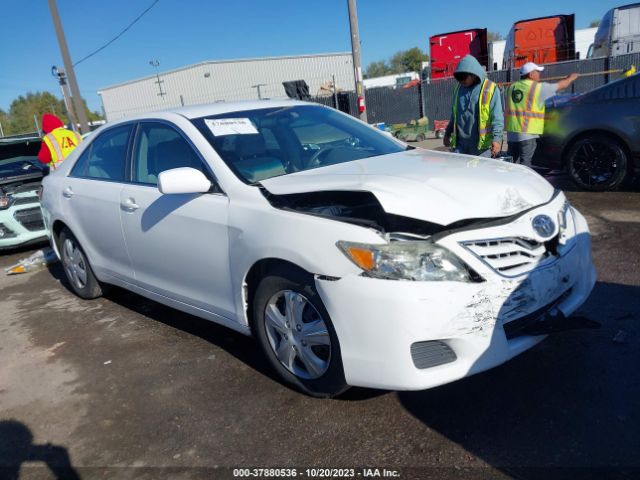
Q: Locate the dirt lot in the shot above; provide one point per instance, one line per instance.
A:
(122, 387)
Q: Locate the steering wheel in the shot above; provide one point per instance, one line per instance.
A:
(314, 161)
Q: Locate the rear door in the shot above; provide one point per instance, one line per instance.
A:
(178, 242)
(91, 198)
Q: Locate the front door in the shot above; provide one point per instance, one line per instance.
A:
(178, 242)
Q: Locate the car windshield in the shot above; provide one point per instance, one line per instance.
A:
(269, 142)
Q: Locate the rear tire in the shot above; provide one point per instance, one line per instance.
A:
(76, 267)
(597, 163)
(420, 137)
(296, 335)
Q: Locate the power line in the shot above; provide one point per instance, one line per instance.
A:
(119, 35)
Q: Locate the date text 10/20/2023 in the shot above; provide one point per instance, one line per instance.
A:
(315, 473)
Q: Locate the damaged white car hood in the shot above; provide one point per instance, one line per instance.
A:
(433, 186)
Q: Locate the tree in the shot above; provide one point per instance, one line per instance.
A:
(494, 36)
(408, 60)
(20, 118)
(594, 23)
(377, 69)
(402, 61)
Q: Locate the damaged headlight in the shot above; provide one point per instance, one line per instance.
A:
(565, 222)
(407, 260)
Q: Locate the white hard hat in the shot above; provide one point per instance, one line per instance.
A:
(529, 67)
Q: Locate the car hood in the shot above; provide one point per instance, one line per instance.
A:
(433, 186)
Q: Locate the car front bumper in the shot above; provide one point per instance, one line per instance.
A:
(21, 226)
(390, 332)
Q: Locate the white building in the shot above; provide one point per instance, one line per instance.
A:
(390, 80)
(226, 80)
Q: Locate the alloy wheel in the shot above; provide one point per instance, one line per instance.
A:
(596, 163)
(297, 334)
(74, 263)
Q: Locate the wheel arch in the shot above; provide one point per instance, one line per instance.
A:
(256, 272)
(56, 229)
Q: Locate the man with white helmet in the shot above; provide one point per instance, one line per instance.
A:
(524, 110)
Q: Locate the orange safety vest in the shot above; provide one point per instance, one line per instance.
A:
(61, 143)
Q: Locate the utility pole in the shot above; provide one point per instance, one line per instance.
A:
(75, 91)
(357, 65)
(155, 63)
(61, 76)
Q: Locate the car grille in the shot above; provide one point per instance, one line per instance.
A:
(6, 232)
(509, 256)
(25, 200)
(30, 218)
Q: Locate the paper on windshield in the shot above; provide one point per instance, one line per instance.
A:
(230, 126)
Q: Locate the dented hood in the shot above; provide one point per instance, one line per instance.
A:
(433, 186)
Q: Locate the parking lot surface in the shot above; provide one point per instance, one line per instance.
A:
(125, 387)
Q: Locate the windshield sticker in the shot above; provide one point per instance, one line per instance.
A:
(230, 126)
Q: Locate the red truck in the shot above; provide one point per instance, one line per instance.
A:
(540, 40)
(446, 50)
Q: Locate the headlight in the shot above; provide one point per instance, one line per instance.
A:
(407, 260)
(5, 202)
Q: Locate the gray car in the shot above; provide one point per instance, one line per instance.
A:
(595, 136)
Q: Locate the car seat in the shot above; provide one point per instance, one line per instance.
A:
(254, 162)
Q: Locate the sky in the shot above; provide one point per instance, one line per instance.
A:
(184, 32)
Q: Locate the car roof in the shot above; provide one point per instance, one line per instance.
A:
(197, 111)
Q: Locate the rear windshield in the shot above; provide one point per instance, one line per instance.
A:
(269, 142)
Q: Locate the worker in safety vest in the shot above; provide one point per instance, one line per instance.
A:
(58, 141)
(524, 110)
(476, 123)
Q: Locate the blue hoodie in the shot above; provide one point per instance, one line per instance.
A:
(467, 121)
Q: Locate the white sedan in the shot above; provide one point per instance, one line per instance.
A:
(352, 258)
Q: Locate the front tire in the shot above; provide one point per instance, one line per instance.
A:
(296, 335)
(597, 163)
(76, 267)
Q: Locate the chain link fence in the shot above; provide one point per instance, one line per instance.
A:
(595, 72)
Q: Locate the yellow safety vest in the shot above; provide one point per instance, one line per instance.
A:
(61, 143)
(484, 115)
(523, 114)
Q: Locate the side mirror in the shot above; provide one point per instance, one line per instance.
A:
(183, 180)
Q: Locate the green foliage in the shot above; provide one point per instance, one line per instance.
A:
(377, 69)
(20, 119)
(402, 61)
(494, 36)
(408, 60)
(594, 23)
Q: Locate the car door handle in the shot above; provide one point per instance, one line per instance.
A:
(129, 205)
(67, 192)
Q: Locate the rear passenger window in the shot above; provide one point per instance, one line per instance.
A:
(106, 157)
(160, 147)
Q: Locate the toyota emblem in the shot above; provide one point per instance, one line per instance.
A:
(543, 225)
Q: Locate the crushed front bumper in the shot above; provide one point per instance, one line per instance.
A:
(405, 335)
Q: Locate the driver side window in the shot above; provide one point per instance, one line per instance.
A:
(160, 147)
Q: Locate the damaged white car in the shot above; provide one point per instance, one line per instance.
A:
(352, 259)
